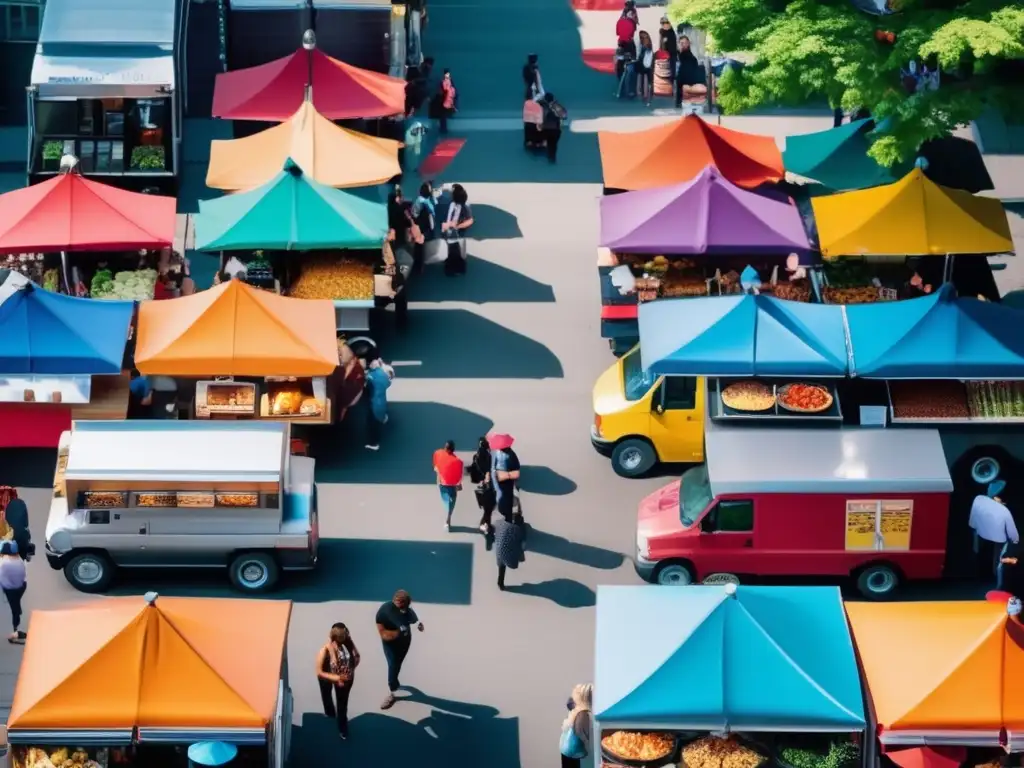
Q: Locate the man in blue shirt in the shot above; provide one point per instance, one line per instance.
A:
(504, 476)
(140, 397)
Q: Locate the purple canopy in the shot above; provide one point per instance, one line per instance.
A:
(707, 215)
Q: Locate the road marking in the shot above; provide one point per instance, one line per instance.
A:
(405, 363)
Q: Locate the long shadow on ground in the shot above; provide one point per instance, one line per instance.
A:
(485, 281)
(493, 223)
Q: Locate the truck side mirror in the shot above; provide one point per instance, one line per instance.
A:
(659, 408)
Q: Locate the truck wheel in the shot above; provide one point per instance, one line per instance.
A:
(364, 347)
(878, 581)
(675, 574)
(633, 458)
(90, 572)
(254, 572)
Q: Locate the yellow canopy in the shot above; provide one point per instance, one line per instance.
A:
(912, 217)
(336, 157)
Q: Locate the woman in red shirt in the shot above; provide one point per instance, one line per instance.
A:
(449, 470)
(448, 96)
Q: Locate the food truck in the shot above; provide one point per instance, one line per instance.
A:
(868, 504)
(188, 494)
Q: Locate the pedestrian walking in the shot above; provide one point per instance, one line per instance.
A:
(449, 470)
(423, 219)
(12, 581)
(335, 672)
(994, 529)
(577, 727)
(504, 473)
(448, 101)
(551, 126)
(378, 380)
(453, 229)
(645, 68)
(508, 547)
(394, 622)
(480, 475)
(16, 517)
(533, 92)
(625, 31)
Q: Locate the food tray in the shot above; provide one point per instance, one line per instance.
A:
(238, 499)
(671, 757)
(195, 500)
(781, 392)
(721, 411)
(103, 499)
(763, 750)
(156, 499)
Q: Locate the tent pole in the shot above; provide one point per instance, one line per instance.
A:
(64, 271)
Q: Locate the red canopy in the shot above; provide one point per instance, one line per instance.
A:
(69, 213)
(275, 91)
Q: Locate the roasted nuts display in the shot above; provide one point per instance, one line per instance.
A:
(929, 400)
(104, 499)
(238, 499)
(716, 752)
(156, 499)
(332, 277)
(195, 500)
(867, 294)
(634, 745)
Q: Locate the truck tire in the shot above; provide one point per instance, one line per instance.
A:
(633, 457)
(90, 572)
(254, 572)
(878, 581)
(363, 347)
(675, 573)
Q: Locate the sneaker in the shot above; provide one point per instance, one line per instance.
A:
(484, 528)
(372, 447)
(389, 702)
(448, 526)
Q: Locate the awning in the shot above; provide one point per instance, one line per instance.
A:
(936, 337)
(708, 215)
(678, 151)
(725, 657)
(70, 213)
(234, 329)
(742, 336)
(164, 662)
(913, 217)
(274, 91)
(333, 156)
(837, 158)
(46, 332)
(291, 212)
(941, 669)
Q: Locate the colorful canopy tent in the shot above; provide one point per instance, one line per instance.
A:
(678, 151)
(942, 672)
(70, 213)
(936, 337)
(913, 217)
(47, 333)
(160, 662)
(273, 91)
(742, 336)
(333, 156)
(291, 212)
(837, 158)
(725, 657)
(706, 215)
(234, 329)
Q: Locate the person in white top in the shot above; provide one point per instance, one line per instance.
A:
(12, 581)
(992, 524)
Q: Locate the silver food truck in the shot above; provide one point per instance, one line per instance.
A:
(169, 494)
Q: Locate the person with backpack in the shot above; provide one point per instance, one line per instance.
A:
(574, 744)
(551, 126)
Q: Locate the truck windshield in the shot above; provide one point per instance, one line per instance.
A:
(694, 494)
(636, 381)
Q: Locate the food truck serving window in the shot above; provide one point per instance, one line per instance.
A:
(243, 498)
(66, 757)
(878, 525)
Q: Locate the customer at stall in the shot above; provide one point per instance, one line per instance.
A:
(1010, 571)
(13, 584)
(394, 622)
(453, 228)
(480, 474)
(140, 397)
(335, 671)
(378, 381)
(667, 40)
(16, 518)
(423, 216)
(625, 31)
(577, 727)
(448, 469)
(993, 527)
(508, 547)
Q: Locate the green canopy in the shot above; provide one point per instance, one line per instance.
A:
(837, 158)
(291, 212)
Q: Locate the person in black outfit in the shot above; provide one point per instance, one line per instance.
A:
(16, 516)
(667, 42)
(689, 74)
(394, 625)
(335, 672)
(554, 114)
(480, 473)
(508, 547)
(1010, 571)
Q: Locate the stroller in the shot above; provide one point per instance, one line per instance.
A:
(627, 82)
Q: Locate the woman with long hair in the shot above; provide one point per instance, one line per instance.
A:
(579, 722)
(336, 664)
(480, 474)
(645, 67)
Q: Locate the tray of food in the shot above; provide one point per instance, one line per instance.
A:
(156, 499)
(804, 398)
(195, 500)
(103, 499)
(238, 499)
(721, 752)
(927, 400)
(643, 749)
(749, 397)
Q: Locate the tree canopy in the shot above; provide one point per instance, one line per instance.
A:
(806, 50)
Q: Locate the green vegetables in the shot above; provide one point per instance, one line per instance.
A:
(802, 758)
(134, 286)
(842, 754)
(51, 279)
(996, 399)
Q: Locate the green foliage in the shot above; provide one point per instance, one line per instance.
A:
(807, 50)
(147, 158)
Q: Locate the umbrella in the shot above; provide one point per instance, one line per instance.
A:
(500, 442)
(928, 757)
(212, 753)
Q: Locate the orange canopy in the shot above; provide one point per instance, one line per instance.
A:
(234, 329)
(676, 152)
(334, 156)
(171, 663)
(944, 666)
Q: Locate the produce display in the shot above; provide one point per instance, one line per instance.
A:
(28, 264)
(717, 752)
(103, 499)
(841, 754)
(51, 279)
(342, 278)
(851, 281)
(638, 746)
(996, 399)
(929, 400)
(238, 499)
(659, 277)
(137, 285)
(805, 398)
(865, 294)
(259, 271)
(62, 757)
(748, 396)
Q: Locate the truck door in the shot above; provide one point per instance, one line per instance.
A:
(677, 423)
(727, 538)
(123, 533)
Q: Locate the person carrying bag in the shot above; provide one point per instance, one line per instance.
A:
(574, 744)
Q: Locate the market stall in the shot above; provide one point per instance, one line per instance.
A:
(60, 360)
(725, 675)
(837, 159)
(334, 156)
(170, 673)
(942, 674)
(274, 91)
(248, 353)
(678, 151)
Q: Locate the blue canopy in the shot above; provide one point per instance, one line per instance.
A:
(936, 337)
(725, 658)
(47, 333)
(742, 336)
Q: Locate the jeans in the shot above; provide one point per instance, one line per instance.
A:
(394, 654)
(449, 493)
(339, 713)
(14, 601)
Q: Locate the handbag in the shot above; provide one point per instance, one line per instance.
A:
(570, 744)
(533, 113)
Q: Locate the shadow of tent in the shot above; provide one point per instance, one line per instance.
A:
(367, 570)
(459, 344)
(564, 592)
(493, 223)
(413, 432)
(544, 481)
(561, 548)
(484, 281)
(499, 157)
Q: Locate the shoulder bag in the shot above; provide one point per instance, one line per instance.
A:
(571, 745)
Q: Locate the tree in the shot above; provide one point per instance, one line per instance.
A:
(806, 50)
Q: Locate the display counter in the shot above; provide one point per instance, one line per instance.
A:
(294, 399)
(774, 400)
(955, 402)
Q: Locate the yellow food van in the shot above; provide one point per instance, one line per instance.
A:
(640, 419)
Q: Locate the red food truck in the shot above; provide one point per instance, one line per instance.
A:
(871, 504)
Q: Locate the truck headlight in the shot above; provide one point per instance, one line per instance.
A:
(643, 548)
(597, 425)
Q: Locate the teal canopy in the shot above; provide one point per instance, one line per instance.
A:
(742, 658)
(837, 158)
(291, 212)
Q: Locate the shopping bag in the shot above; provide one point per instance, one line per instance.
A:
(533, 113)
(435, 251)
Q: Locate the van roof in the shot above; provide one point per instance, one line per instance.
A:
(186, 451)
(809, 460)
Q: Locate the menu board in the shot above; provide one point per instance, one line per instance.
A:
(878, 525)
(895, 523)
(861, 519)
